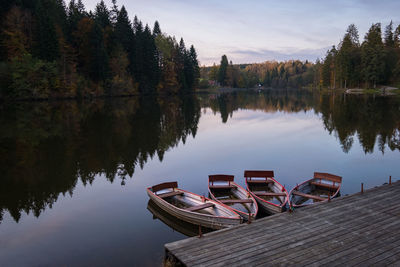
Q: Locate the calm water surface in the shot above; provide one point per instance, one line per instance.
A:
(73, 175)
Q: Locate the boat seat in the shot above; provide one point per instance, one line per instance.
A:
(225, 186)
(200, 207)
(260, 181)
(170, 194)
(330, 186)
(308, 196)
(231, 201)
(269, 194)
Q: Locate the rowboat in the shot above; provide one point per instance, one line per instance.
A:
(321, 188)
(223, 189)
(174, 223)
(191, 207)
(268, 192)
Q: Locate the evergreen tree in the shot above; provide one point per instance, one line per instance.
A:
(373, 56)
(391, 56)
(102, 15)
(46, 47)
(150, 62)
(222, 70)
(125, 36)
(195, 66)
(98, 57)
(156, 29)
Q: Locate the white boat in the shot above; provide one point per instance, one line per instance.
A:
(269, 193)
(191, 207)
(321, 188)
(223, 189)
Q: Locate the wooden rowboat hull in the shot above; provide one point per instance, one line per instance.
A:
(309, 187)
(205, 220)
(232, 195)
(274, 186)
(269, 207)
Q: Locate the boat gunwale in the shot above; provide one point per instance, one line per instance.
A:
(254, 201)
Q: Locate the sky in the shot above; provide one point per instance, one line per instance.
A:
(255, 31)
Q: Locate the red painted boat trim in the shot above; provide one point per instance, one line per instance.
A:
(238, 211)
(265, 201)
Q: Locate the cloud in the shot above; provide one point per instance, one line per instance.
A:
(260, 55)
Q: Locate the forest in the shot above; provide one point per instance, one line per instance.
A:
(50, 49)
(374, 62)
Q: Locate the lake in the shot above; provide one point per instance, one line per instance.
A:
(74, 174)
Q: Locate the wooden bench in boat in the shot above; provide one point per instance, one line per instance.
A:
(330, 186)
(200, 207)
(269, 194)
(231, 201)
(224, 186)
(170, 194)
(308, 196)
(260, 181)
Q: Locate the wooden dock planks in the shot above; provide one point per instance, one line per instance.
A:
(360, 229)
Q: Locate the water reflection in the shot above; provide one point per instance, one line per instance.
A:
(46, 147)
(174, 223)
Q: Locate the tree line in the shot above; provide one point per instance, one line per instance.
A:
(49, 49)
(373, 62)
(291, 73)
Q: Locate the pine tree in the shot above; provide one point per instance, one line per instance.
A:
(222, 70)
(195, 66)
(46, 47)
(391, 57)
(150, 61)
(373, 56)
(156, 29)
(99, 57)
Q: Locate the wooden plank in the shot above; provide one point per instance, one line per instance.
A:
(269, 194)
(266, 239)
(200, 207)
(257, 248)
(225, 186)
(260, 174)
(232, 201)
(328, 176)
(260, 181)
(298, 193)
(220, 177)
(334, 187)
(170, 194)
(329, 245)
(162, 186)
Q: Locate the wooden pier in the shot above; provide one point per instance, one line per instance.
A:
(360, 229)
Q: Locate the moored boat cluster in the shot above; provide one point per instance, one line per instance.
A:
(230, 204)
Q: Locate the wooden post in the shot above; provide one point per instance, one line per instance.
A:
(200, 234)
(329, 196)
(390, 179)
(362, 188)
(249, 221)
